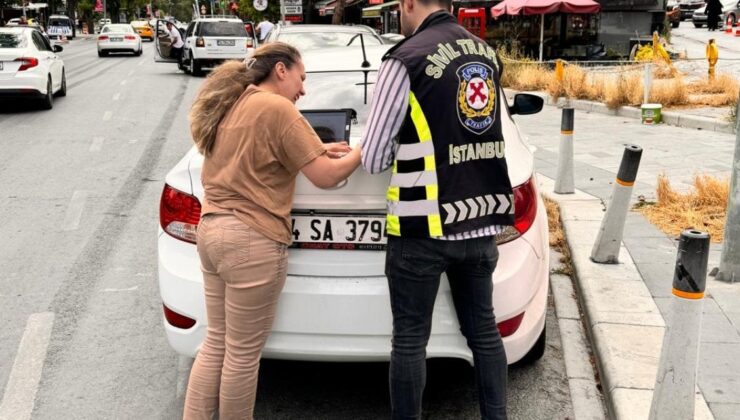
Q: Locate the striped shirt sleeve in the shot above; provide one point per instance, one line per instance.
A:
(390, 102)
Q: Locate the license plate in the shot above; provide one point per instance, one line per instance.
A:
(225, 43)
(116, 40)
(348, 232)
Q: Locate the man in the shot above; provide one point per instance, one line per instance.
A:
(175, 42)
(264, 28)
(438, 92)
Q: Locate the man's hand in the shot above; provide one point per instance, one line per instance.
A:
(336, 150)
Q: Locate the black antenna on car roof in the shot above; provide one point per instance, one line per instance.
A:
(365, 64)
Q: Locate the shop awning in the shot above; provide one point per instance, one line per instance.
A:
(375, 11)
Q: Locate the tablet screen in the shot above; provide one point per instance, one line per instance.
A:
(331, 125)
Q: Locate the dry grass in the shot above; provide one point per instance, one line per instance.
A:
(621, 87)
(557, 236)
(702, 209)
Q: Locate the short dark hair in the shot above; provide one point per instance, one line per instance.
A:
(446, 4)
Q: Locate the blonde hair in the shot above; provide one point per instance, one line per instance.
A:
(225, 85)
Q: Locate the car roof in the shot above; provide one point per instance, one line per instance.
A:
(218, 19)
(59, 16)
(17, 29)
(343, 58)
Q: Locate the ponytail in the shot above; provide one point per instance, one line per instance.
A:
(225, 85)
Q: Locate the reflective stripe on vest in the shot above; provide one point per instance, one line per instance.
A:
(427, 178)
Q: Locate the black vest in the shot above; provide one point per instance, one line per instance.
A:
(455, 84)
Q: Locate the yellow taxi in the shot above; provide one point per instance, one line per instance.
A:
(143, 29)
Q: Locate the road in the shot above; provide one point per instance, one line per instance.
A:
(694, 41)
(79, 198)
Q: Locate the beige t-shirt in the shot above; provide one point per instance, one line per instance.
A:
(261, 145)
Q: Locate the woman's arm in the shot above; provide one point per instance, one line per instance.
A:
(325, 172)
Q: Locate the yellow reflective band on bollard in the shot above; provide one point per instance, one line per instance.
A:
(688, 295)
(625, 183)
(566, 131)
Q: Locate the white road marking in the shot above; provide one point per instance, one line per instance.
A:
(132, 141)
(97, 144)
(74, 211)
(130, 289)
(117, 96)
(23, 383)
(107, 116)
(140, 62)
(123, 82)
(130, 73)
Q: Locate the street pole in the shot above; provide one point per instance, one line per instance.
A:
(282, 13)
(729, 265)
(105, 10)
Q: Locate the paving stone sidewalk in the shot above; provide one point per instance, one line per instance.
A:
(679, 153)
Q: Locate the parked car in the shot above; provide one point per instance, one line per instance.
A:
(673, 13)
(688, 7)
(335, 303)
(730, 12)
(30, 66)
(308, 37)
(143, 29)
(118, 37)
(208, 42)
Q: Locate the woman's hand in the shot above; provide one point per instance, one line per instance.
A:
(337, 150)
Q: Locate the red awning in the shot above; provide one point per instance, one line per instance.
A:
(539, 7)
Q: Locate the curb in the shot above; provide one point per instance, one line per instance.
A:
(623, 322)
(669, 117)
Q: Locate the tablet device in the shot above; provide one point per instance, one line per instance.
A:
(332, 125)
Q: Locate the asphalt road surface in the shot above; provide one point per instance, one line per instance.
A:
(79, 195)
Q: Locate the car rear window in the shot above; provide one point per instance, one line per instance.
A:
(59, 22)
(118, 29)
(12, 40)
(313, 40)
(222, 29)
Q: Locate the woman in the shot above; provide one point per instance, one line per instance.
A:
(244, 121)
(713, 11)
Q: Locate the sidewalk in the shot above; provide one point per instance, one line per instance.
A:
(626, 304)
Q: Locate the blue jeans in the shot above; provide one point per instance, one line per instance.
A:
(413, 267)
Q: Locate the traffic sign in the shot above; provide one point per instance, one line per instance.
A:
(293, 10)
(260, 5)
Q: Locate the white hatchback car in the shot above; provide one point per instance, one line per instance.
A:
(118, 37)
(335, 305)
(30, 67)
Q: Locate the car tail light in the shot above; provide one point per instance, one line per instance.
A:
(179, 214)
(129, 37)
(525, 211)
(27, 63)
(250, 43)
(509, 327)
(177, 320)
(200, 42)
(103, 38)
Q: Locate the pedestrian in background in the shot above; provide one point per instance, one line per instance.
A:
(264, 28)
(437, 110)
(255, 142)
(176, 42)
(713, 11)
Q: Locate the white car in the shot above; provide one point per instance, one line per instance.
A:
(307, 37)
(208, 42)
(118, 37)
(335, 305)
(30, 66)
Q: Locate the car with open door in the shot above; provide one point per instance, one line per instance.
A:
(209, 41)
(335, 304)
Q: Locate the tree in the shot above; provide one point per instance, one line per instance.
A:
(338, 17)
(247, 10)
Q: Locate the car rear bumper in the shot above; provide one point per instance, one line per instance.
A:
(349, 318)
(24, 84)
(21, 93)
(118, 46)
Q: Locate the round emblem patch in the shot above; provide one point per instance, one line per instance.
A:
(476, 97)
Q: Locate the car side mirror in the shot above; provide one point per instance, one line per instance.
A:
(58, 48)
(526, 104)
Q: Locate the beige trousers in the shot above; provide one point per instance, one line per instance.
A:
(243, 275)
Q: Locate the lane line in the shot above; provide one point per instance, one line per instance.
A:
(117, 96)
(132, 141)
(97, 144)
(130, 73)
(123, 82)
(74, 211)
(107, 116)
(130, 289)
(23, 383)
